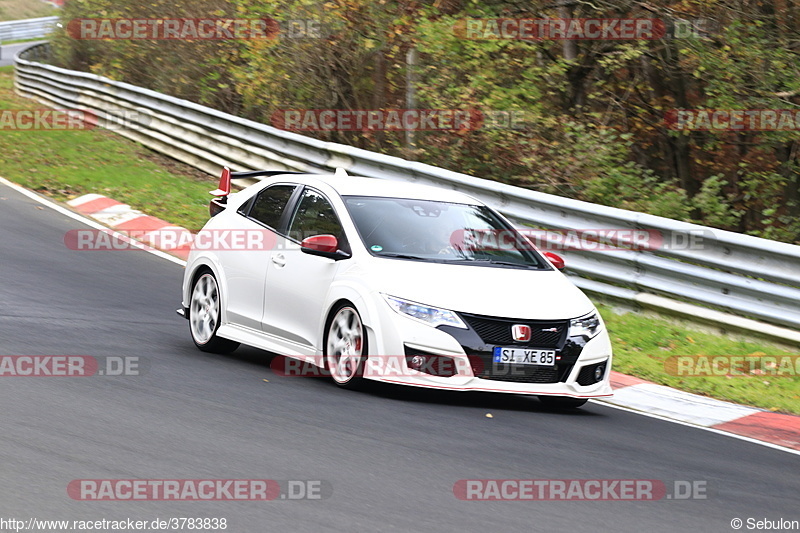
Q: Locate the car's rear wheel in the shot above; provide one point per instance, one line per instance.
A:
(205, 312)
(562, 402)
(345, 347)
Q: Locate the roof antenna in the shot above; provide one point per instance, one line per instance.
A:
(340, 173)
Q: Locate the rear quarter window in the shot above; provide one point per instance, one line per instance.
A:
(270, 203)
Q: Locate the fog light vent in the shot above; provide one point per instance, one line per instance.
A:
(428, 363)
(591, 374)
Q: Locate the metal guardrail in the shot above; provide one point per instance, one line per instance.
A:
(745, 275)
(17, 30)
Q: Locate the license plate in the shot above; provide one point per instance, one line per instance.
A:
(524, 356)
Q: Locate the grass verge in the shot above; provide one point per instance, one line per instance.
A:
(643, 345)
(18, 41)
(25, 9)
(68, 163)
(65, 164)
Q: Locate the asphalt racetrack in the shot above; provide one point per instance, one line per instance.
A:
(389, 456)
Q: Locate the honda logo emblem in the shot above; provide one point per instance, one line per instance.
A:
(521, 332)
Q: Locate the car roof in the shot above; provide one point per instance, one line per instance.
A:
(361, 186)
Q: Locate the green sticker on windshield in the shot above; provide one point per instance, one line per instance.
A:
(376, 248)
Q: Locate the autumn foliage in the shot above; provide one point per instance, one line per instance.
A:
(589, 115)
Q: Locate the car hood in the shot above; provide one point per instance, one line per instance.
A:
(483, 290)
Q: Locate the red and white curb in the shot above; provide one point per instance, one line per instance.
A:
(630, 393)
(692, 409)
(149, 230)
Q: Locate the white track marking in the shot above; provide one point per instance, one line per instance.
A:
(91, 223)
(704, 428)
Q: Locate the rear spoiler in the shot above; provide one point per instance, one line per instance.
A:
(260, 173)
(224, 188)
(217, 204)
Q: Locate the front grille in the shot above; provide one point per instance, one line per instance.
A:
(485, 333)
(586, 375)
(497, 331)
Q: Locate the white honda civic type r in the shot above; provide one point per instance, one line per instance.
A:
(362, 278)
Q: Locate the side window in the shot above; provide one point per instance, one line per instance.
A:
(268, 206)
(315, 216)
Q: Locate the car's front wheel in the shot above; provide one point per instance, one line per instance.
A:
(345, 346)
(205, 311)
(562, 402)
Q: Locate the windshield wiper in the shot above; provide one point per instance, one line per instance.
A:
(504, 263)
(403, 256)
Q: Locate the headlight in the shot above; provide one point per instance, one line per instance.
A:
(586, 326)
(432, 316)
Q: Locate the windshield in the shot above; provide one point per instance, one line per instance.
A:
(424, 230)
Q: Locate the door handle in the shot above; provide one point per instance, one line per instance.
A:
(279, 260)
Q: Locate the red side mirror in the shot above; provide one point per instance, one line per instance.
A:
(320, 243)
(557, 261)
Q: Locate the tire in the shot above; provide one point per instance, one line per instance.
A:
(345, 347)
(562, 402)
(205, 311)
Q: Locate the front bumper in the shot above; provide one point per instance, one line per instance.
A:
(468, 358)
